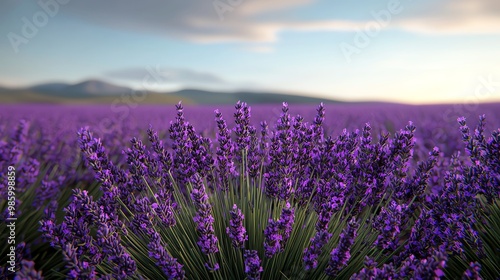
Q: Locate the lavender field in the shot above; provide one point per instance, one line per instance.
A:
(335, 191)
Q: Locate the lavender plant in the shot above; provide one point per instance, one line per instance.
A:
(289, 201)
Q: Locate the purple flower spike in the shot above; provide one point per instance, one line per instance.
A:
(167, 263)
(225, 152)
(161, 154)
(242, 120)
(137, 158)
(253, 269)
(254, 154)
(318, 123)
(370, 271)
(78, 269)
(388, 222)
(165, 207)
(432, 267)
(204, 219)
(312, 253)
(278, 232)
(286, 222)
(278, 178)
(236, 230)
(182, 135)
(341, 255)
(272, 243)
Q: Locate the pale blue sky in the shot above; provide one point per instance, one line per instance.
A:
(426, 52)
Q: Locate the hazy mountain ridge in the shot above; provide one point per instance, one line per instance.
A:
(96, 91)
(49, 87)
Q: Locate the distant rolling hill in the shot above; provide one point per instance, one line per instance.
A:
(49, 87)
(209, 97)
(85, 89)
(96, 91)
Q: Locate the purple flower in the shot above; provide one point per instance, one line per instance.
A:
(253, 269)
(182, 134)
(81, 250)
(47, 190)
(105, 171)
(168, 264)
(341, 254)
(161, 154)
(453, 214)
(80, 216)
(278, 232)
(422, 236)
(278, 177)
(273, 238)
(312, 252)
(388, 224)
(318, 123)
(242, 120)
(400, 152)
(225, 152)
(110, 241)
(330, 203)
(78, 269)
(204, 219)
(137, 159)
(416, 186)
(254, 154)
(21, 132)
(30, 169)
(264, 142)
(51, 231)
(484, 173)
(143, 218)
(212, 267)
(472, 273)
(286, 222)
(28, 271)
(430, 267)
(370, 271)
(164, 207)
(201, 153)
(236, 230)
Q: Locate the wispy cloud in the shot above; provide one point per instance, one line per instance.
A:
(260, 48)
(261, 21)
(194, 20)
(455, 17)
(249, 21)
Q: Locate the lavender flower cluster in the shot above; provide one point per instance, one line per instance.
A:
(295, 200)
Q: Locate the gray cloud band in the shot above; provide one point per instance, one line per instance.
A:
(200, 21)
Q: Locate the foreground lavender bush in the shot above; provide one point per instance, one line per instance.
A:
(291, 202)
